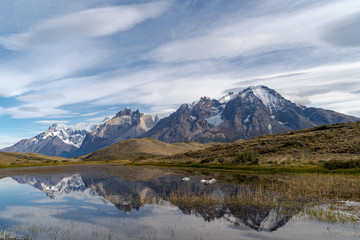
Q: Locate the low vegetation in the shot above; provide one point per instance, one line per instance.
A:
(322, 148)
(10, 159)
(141, 149)
(317, 196)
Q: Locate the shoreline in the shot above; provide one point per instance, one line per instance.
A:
(213, 167)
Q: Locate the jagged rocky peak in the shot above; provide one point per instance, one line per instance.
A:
(126, 112)
(227, 97)
(254, 111)
(68, 134)
(127, 116)
(57, 127)
(156, 119)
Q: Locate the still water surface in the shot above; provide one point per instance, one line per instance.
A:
(117, 202)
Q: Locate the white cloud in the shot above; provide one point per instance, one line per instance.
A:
(62, 47)
(26, 111)
(256, 35)
(91, 23)
(8, 140)
(185, 70)
(50, 122)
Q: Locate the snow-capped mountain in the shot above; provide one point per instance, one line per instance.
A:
(58, 140)
(84, 138)
(252, 112)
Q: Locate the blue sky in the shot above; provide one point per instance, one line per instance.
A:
(76, 61)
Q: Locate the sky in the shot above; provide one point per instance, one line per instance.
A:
(74, 61)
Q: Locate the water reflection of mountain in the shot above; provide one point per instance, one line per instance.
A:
(132, 195)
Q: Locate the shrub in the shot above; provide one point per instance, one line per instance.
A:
(247, 157)
(320, 128)
(336, 164)
(207, 160)
(289, 143)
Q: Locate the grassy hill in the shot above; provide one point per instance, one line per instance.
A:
(328, 144)
(139, 149)
(8, 159)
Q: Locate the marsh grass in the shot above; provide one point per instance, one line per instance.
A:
(337, 143)
(288, 195)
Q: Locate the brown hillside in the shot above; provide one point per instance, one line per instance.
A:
(12, 158)
(313, 145)
(141, 149)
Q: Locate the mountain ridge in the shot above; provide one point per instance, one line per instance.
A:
(252, 112)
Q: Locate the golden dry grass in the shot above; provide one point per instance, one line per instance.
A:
(302, 147)
(8, 159)
(141, 149)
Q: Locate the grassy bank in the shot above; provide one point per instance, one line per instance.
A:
(324, 149)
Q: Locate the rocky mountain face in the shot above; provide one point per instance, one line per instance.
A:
(58, 140)
(125, 125)
(66, 141)
(255, 111)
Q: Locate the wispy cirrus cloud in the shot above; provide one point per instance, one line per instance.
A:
(261, 34)
(49, 122)
(91, 23)
(64, 46)
(90, 59)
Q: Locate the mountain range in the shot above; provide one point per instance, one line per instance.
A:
(254, 111)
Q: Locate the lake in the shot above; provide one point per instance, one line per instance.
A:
(111, 201)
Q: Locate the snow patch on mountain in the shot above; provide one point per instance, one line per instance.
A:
(71, 135)
(271, 101)
(215, 115)
(228, 97)
(215, 120)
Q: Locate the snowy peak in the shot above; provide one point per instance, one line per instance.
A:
(68, 134)
(228, 97)
(270, 98)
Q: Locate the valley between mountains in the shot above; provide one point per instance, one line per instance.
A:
(256, 126)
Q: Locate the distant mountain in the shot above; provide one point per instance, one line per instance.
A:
(255, 111)
(58, 140)
(73, 141)
(125, 125)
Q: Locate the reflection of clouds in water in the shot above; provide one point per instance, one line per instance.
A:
(93, 217)
(8, 183)
(46, 200)
(163, 221)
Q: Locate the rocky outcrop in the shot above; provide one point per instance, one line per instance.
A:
(125, 125)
